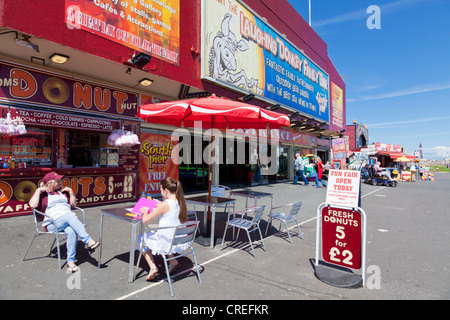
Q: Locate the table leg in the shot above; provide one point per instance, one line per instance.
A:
(213, 224)
(100, 240)
(205, 220)
(132, 249)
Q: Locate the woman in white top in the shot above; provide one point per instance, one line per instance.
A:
(56, 202)
(171, 212)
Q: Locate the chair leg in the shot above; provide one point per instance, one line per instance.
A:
(137, 265)
(262, 240)
(224, 234)
(287, 230)
(29, 247)
(196, 267)
(268, 223)
(168, 275)
(251, 244)
(57, 250)
(300, 230)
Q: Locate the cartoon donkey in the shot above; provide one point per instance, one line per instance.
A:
(222, 59)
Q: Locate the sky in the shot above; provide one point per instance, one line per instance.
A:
(398, 76)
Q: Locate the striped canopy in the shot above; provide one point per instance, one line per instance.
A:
(213, 112)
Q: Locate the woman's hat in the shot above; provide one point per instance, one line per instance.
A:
(52, 176)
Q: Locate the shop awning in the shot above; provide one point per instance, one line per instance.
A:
(396, 155)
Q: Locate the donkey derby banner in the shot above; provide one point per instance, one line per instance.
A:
(244, 52)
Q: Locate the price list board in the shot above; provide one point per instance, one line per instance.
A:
(341, 237)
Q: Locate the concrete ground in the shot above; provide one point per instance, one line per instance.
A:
(407, 253)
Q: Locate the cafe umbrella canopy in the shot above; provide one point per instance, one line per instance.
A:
(213, 113)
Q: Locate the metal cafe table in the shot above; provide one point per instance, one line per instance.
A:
(249, 194)
(212, 202)
(121, 214)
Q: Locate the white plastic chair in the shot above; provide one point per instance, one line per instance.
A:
(286, 214)
(249, 225)
(38, 217)
(183, 234)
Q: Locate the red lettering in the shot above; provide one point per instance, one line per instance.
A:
(26, 87)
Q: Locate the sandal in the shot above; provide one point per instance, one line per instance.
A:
(72, 267)
(152, 274)
(94, 246)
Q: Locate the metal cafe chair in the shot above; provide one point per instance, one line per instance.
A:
(192, 215)
(38, 218)
(216, 191)
(285, 214)
(219, 190)
(183, 234)
(249, 225)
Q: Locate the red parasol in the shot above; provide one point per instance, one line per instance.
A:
(224, 113)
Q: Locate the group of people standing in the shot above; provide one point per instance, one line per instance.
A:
(299, 167)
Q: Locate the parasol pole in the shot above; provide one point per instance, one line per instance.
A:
(210, 168)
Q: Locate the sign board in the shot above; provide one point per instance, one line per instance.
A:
(343, 188)
(341, 237)
(341, 240)
(152, 27)
(156, 162)
(244, 52)
(32, 87)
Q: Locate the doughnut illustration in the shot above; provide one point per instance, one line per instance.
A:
(24, 190)
(55, 90)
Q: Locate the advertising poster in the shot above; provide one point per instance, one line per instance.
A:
(156, 161)
(339, 149)
(341, 237)
(151, 27)
(337, 103)
(343, 187)
(242, 51)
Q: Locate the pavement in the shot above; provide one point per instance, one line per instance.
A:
(407, 255)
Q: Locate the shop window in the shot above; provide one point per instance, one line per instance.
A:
(28, 150)
(85, 149)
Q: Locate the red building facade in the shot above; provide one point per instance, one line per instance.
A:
(70, 109)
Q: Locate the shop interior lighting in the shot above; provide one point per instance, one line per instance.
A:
(59, 58)
(145, 82)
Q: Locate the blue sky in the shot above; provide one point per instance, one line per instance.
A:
(397, 77)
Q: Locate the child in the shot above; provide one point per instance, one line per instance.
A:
(171, 212)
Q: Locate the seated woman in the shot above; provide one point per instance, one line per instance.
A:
(55, 202)
(380, 172)
(171, 212)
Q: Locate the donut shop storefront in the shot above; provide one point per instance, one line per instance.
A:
(60, 136)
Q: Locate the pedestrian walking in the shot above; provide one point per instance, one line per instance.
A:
(299, 167)
(319, 173)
